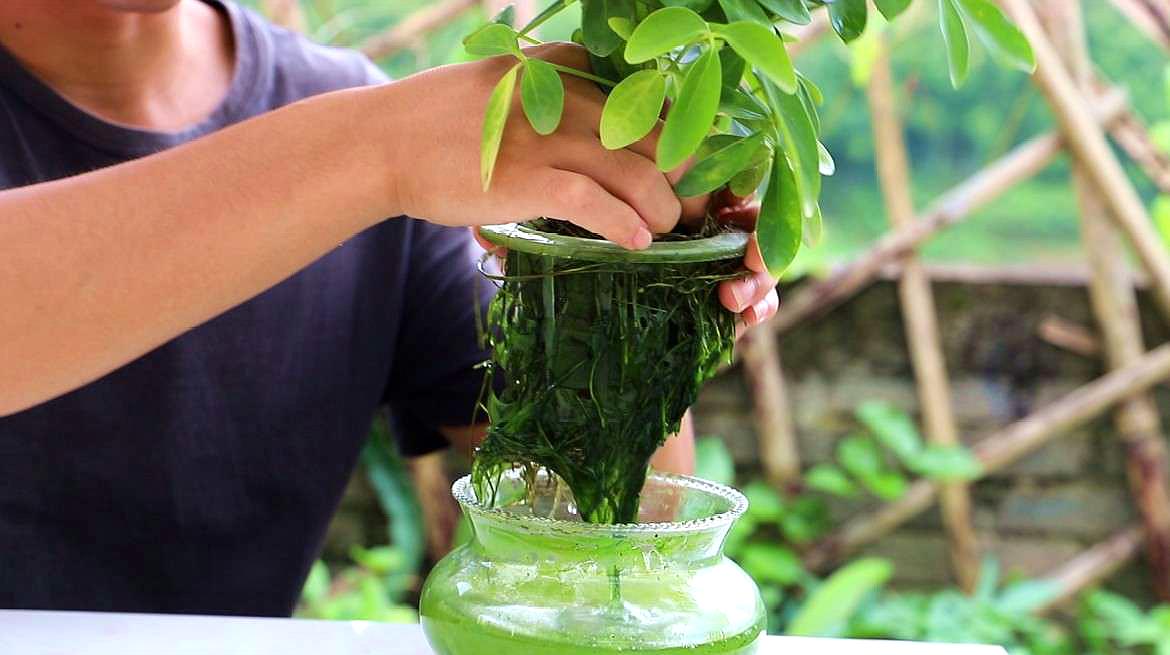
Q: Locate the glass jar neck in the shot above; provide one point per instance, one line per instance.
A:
(506, 538)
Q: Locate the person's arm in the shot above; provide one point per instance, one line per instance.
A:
(98, 269)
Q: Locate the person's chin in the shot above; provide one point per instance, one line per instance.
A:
(140, 6)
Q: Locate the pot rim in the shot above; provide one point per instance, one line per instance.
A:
(517, 236)
(464, 492)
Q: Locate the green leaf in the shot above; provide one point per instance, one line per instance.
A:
(491, 40)
(599, 37)
(719, 167)
(733, 67)
(697, 6)
(859, 455)
(764, 503)
(958, 43)
(623, 27)
(748, 10)
(742, 105)
(848, 18)
(793, 11)
(713, 461)
(542, 95)
(998, 34)
(891, 8)
(663, 31)
(771, 564)
(778, 230)
(831, 480)
(632, 109)
(506, 16)
(805, 521)
(494, 120)
(747, 182)
(799, 140)
(761, 48)
(1160, 213)
(1026, 596)
(892, 427)
(316, 586)
(693, 112)
(885, 484)
(831, 605)
(946, 464)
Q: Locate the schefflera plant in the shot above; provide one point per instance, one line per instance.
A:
(734, 104)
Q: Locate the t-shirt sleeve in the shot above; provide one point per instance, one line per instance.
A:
(436, 379)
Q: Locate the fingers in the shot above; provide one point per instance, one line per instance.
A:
(560, 52)
(628, 176)
(740, 294)
(730, 209)
(579, 199)
(762, 310)
(753, 260)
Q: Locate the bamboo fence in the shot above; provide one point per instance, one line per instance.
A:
(1112, 215)
(1088, 110)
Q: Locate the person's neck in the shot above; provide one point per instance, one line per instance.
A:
(156, 71)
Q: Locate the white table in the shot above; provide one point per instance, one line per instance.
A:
(90, 633)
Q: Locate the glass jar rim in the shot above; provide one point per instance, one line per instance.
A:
(518, 236)
(464, 492)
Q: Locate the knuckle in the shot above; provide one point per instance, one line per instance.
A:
(576, 191)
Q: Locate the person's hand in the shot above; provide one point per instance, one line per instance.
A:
(753, 297)
(619, 194)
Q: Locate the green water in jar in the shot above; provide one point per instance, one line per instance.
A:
(532, 580)
(473, 638)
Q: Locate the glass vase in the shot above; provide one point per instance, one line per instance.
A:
(536, 580)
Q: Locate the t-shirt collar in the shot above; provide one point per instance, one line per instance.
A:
(251, 76)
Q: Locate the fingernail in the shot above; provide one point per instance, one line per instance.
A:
(741, 292)
(642, 239)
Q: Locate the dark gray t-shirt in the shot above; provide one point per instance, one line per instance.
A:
(201, 477)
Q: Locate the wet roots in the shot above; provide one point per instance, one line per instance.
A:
(598, 363)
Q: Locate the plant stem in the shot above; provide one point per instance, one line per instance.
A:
(542, 17)
(569, 70)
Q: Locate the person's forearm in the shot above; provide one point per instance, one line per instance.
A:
(98, 269)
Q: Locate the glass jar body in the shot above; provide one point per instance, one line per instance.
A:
(562, 588)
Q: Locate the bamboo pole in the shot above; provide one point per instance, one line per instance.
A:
(1115, 307)
(1087, 141)
(1018, 165)
(1092, 566)
(919, 314)
(999, 450)
(779, 455)
(415, 27)
(1147, 23)
(1133, 138)
(285, 13)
